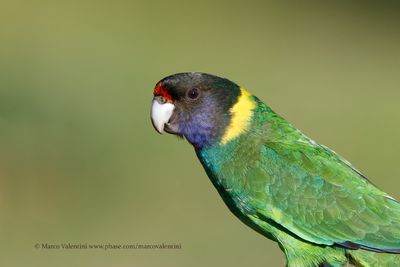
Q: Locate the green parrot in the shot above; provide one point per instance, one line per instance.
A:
(311, 201)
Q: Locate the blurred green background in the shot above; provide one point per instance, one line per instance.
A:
(80, 161)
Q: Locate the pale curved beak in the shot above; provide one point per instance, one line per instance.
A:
(161, 113)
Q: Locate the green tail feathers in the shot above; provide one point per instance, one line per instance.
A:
(370, 259)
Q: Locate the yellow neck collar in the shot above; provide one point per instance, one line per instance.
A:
(241, 113)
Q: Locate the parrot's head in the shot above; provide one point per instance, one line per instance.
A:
(195, 106)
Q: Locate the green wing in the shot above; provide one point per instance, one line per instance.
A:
(320, 197)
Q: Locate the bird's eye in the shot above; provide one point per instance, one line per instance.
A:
(193, 93)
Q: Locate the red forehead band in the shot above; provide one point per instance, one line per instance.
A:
(162, 90)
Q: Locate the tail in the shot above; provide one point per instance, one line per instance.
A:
(310, 255)
(364, 258)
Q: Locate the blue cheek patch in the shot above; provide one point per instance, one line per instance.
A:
(199, 128)
(199, 131)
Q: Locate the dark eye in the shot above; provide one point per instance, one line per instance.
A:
(193, 93)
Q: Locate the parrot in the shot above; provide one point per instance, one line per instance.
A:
(320, 209)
